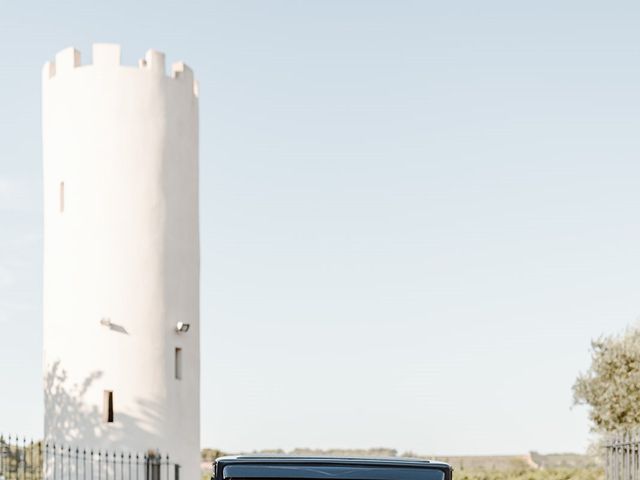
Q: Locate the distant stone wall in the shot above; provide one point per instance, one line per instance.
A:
(487, 462)
(564, 460)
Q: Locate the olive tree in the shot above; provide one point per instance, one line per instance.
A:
(611, 386)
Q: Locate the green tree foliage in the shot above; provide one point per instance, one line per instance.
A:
(611, 386)
(210, 454)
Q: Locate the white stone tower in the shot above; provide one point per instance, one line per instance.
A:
(121, 256)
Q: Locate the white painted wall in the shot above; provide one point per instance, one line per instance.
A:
(124, 140)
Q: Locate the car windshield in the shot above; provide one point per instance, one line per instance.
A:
(330, 472)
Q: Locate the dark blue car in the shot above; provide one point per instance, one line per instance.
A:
(283, 467)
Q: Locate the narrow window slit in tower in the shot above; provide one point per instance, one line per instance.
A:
(61, 197)
(178, 363)
(107, 406)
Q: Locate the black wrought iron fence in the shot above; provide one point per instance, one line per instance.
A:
(622, 456)
(36, 460)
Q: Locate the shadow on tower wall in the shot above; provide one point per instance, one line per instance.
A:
(74, 420)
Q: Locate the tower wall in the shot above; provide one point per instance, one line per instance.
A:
(121, 255)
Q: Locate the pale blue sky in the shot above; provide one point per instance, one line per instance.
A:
(415, 214)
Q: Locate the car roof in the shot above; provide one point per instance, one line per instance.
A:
(387, 461)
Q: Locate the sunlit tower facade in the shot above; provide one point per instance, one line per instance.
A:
(121, 255)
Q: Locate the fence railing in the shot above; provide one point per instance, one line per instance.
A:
(622, 456)
(36, 460)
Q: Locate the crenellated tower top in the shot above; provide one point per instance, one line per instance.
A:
(107, 55)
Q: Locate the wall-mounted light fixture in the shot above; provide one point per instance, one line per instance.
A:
(104, 321)
(182, 327)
